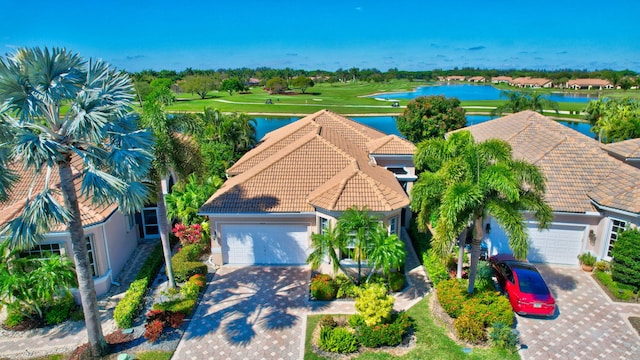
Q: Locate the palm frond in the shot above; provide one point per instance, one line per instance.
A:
(36, 150)
(99, 186)
(511, 220)
(134, 196)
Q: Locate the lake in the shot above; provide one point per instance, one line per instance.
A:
(475, 92)
(387, 124)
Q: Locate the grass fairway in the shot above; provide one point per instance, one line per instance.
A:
(432, 341)
(342, 98)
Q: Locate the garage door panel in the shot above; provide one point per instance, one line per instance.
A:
(267, 244)
(560, 244)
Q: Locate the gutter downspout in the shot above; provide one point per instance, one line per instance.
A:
(106, 248)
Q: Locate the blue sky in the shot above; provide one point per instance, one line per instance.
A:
(409, 35)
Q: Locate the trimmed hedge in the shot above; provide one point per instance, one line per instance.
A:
(185, 263)
(128, 307)
(620, 291)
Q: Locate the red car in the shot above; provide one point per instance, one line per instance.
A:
(524, 286)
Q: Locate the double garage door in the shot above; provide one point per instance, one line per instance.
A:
(264, 244)
(561, 244)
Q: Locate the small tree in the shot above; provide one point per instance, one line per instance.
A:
(199, 84)
(276, 85)
(231, 85)
(625, 267)
(302, 83)
(430, 116)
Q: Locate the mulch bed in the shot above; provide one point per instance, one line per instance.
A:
(116, 341)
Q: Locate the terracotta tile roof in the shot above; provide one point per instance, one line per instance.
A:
(390, 145)
(577, 169)
(90, 213)
(320, 160)
(501, 78)
(587, 82)
(628, 149)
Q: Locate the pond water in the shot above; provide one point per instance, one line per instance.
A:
(387, 124)
(475, 92)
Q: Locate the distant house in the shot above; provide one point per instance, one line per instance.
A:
(111, 236)
(455, 78)
(594, 195)
(253, 82)
(501, 79)
(477, 79)
(299, 180)
(589, 84)
(528, 82)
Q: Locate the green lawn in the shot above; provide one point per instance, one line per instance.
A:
(432, 341)
(342, 98)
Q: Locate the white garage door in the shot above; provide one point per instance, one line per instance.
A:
(273, 244)
(561, 244)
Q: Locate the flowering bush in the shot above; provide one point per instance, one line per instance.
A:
(452, 294)
(323, 287)
(187, 235)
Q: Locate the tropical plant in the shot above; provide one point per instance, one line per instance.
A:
(356, 228)
(524, 100)
(97, 133)
(614, 119)
(384, 251)
(173, 153)
(625, 267)
(186, 198)
(427, 117)
(463, 181)
(325, 245)
(374, 304)
(30, 283)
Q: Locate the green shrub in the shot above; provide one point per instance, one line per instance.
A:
(625, 267)
(421, 241)
(355, 321)
(127, 308)
(374, 304)
(337, 340)
(396, 281)
(184, 306)
(190, 290)
(452, 294)
(346, 288)
(328, 321)
(185, 263)
(14, 317)
(469, 329)
(484, 273)
(435, 267)
(60, 310)
(602, 266)
(323, 287)
(488, 307)
(501, 336)
(384, 334)
(619, 291)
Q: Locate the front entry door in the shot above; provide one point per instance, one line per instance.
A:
(150, 226)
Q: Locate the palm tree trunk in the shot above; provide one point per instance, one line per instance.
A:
(164, 235)
(97, 343)
(478, 234)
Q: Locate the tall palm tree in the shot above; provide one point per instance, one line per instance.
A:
(324, 246)
(516, 101)
(173, 152)
(98, 130)
(464, 181)
(356, 227)
(384, 251)
(538, 102)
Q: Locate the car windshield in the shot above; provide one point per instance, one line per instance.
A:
(531, 282)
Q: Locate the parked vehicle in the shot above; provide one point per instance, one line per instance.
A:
(524, 286)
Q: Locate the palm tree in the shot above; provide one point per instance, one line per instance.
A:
(324, 246)
(538, 102)
(384, 251)
(98, 130)
(516, 101)
(463, 181)
(356, 227)
(173, 152)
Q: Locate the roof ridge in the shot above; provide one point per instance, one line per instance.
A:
(375, 185)
(341, 186)
(349, 124)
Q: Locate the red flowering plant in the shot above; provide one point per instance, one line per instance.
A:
(187, 235)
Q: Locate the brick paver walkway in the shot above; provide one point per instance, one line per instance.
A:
(588, 324)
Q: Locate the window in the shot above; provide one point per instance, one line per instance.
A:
(617, 226)
(323, 224)
(44, 250)
(92, 258)
(393, 225)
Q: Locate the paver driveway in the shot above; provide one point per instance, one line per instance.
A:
(249, 313)
(588, 325)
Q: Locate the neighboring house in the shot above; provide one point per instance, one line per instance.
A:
(298, 180)
(590, 84)
(111, 236)
(594, 195)
(455, 78)
(477, 79)
(528, 82)
(501, 80)
(253, 82)
(627, 151)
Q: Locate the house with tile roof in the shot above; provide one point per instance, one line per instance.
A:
(111, 236)
(298, 180)
(589, 84)
(501, 79)
(592, 189)
(529, 82)
(627, 151)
